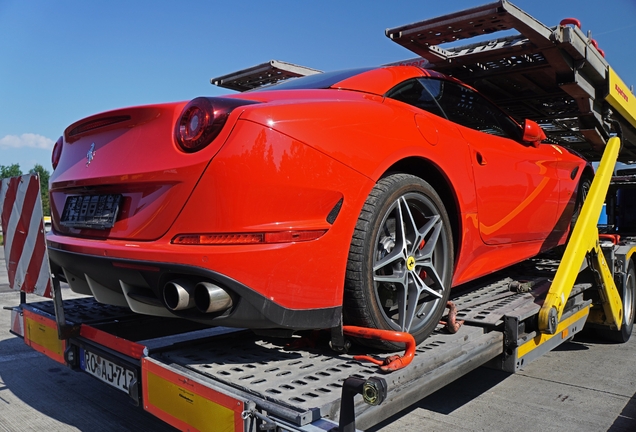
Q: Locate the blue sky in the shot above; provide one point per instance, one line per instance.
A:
(64, 60)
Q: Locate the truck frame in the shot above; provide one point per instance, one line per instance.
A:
(199, 378)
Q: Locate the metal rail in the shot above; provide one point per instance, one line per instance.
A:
(260, 75)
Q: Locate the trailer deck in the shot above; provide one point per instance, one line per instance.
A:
(299, 382)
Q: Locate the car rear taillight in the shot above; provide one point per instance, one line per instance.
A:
(195, 127)
(248, 238)
(57, 152)
(202, 119)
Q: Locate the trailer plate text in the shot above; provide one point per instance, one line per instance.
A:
(107, 371)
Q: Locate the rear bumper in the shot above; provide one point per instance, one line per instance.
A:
(139, 284)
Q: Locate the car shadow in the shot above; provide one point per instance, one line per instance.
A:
(454, 395)
(626, 421)
(39, 393)
(580, 341)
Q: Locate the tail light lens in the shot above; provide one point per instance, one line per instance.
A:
(57, 152)
(202, 119)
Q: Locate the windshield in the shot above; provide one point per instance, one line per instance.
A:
(316, 81)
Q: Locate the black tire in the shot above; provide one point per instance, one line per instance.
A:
(413, 260)
(581, 193)
(628, 295)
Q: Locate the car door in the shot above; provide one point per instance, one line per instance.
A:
(516, 184)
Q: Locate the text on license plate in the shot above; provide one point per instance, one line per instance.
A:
(107, 371)
(91, 211)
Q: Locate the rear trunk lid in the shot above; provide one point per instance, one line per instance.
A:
(129, 152)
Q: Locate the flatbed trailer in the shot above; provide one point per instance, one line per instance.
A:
(199, 378)
(231, 379)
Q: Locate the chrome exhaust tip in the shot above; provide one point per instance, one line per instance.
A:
(210, 298)
(177, 294)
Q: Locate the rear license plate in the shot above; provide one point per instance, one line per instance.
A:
(91, 211)
(107, 371)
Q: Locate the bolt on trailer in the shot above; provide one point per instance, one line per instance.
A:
(199, 378)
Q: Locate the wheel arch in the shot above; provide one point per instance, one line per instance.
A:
(588, 171)
(432, 174)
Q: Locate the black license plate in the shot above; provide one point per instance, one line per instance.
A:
(91, 211)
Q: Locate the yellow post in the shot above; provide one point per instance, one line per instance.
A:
(584, 241)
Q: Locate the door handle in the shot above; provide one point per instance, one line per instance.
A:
(480, 159)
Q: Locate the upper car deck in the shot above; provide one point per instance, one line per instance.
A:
(555, 76)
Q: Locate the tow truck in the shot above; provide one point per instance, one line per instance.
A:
(198, 378)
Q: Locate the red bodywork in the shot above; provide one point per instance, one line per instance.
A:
(283, 164)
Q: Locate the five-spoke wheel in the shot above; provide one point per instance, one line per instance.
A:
(400, 260)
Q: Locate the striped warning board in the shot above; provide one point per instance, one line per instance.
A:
(17, 321)
(24, 244)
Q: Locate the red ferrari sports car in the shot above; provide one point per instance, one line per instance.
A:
(358, 196)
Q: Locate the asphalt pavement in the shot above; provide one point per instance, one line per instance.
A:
(39, 394)
(584, 385)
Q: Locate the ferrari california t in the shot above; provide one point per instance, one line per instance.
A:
(358, 196)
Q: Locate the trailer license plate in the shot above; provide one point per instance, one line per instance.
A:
(107, 371)
(90, 211)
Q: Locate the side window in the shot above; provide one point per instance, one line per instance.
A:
(413, 93)
(468, 108)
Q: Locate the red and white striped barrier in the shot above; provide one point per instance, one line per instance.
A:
(25, 251)
(17, 321)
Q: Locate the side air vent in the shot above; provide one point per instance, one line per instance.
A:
(333, 214)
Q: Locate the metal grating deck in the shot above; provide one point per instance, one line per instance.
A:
(308, 381)
(119, 321)
(85, 310)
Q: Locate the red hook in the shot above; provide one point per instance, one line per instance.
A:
(391, 363)
(577, 23)
(452, 325)
(614, 238)
(571, 21)
(595, 45)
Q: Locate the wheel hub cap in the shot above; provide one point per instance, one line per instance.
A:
(410, 263)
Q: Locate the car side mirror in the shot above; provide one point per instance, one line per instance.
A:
(532, 133)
